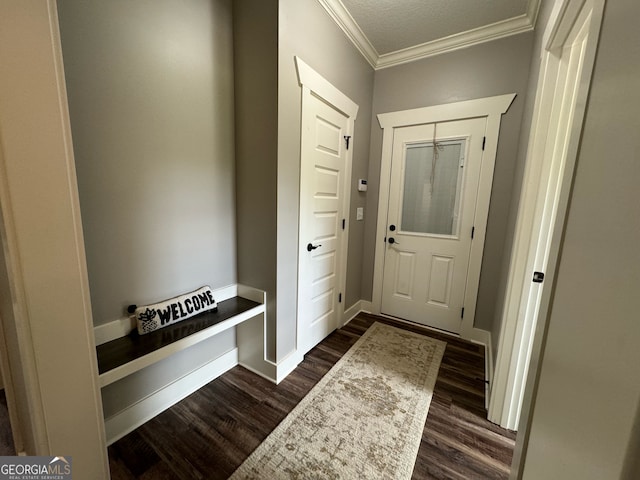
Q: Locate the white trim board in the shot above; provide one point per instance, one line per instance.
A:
(252, 343)
(351, 312)
(511, 26)
(254, 360)
(316, 83)
(127, 420)
(490, 107)
(568, 56)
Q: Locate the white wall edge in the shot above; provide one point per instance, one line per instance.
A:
(124, 422)
(123, 326)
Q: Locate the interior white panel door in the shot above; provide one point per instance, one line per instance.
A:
(322, 190)
(435, 175)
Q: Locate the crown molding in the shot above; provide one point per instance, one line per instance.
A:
(458, 41)
(345, 21)
(513, 26)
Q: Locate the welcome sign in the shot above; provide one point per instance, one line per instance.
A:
(173, 310)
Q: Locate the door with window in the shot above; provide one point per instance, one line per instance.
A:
(435, 176)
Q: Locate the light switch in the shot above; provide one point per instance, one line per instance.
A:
(360, 213)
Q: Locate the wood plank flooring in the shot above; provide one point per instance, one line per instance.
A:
(6, 436)
(210, 433)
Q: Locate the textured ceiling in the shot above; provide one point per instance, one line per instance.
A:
(392, 25)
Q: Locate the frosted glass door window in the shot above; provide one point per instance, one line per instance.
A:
(432, 191)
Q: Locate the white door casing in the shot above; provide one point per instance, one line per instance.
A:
(563, 83)
(325, 176)
(430, 226)
(490, 108)
(322, 191)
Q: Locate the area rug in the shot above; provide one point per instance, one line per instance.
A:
(365, 417)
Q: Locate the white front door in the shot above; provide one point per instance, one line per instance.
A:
(322, 205)
(435, 173)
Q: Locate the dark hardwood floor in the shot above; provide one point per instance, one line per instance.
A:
(210, 433)
(6, 437)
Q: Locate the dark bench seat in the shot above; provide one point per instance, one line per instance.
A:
(125, 355)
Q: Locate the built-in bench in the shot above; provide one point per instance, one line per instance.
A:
(122, 352)
(125, 355)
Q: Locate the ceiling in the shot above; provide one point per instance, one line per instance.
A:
(391, 32)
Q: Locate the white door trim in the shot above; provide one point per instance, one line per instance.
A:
(44, 283)
(313, 83)
(545, 193)
(490, 107)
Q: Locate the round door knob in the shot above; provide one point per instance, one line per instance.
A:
(392, 241)
(392, 228)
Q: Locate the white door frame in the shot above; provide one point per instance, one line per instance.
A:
(44, 290)
(557, 124)
(313, 83)
(492, 108)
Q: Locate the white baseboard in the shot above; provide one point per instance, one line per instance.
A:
(287, 365)
(366, 306)
(351, 312)
(114, 329)
(483, 337)
(488, 368)
(274, 372)
(124, 422)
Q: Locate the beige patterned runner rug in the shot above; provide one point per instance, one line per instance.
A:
(365, 417)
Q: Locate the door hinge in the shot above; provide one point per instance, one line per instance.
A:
(484, 140)
(339, 298)
(462, 313)
(473, 231)
(346, 139)
(344, 222)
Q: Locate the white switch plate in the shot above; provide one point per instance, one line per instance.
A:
(360, 213)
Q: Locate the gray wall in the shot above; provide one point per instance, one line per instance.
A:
(150, 88)
(585, 411)
(255, 49)
(306, 30)
(493, 68)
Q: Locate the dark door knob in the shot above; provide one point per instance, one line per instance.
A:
(392, 241)
(312, 247)
(538, 277)
(392, 228)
